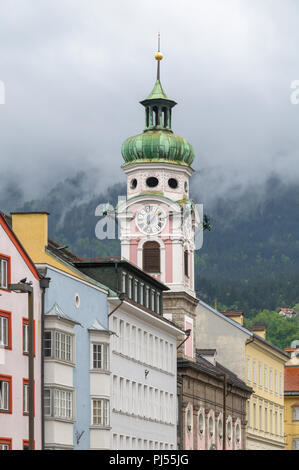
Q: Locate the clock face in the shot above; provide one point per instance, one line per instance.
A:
(151, 219)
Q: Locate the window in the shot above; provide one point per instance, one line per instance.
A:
(26, 336)
(26, 444)
(152, 182)
(254, 416)
(58, 345)
(266, 377)
(295, 444)
(254, 371)
(260, 374)
(296, 413)
(100, 356)
(276, 382)
(173, 183)
(5, 444)
(261, 417)
(186, 263)
(248, 369)
(58, 403)
(25, 396)
(201, 424)
(100, 410)
(5, 330)
(4, 271)
(266, 419)
(151, 257)
(189, 420)
(271, 380)
(5, 394)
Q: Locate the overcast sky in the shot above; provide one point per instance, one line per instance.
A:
(75, 70)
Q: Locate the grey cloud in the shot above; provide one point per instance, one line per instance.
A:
(75, 70)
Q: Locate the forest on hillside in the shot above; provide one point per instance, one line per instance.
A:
(249, 259)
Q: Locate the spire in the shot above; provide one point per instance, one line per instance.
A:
(158, 57)
(158, 106)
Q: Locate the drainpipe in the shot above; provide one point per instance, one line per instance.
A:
(121, 297)
(44, 284)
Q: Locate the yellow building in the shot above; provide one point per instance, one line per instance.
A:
(291, 400)
(265, 374)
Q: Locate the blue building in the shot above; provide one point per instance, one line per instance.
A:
(76, 364)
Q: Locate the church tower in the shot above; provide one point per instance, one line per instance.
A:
(158, 220)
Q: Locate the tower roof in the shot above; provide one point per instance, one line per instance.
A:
(158, 142)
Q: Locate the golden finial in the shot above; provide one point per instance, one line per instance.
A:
(158, 55)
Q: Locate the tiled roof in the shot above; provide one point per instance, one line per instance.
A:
(291, 379)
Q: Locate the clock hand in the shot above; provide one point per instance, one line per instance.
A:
(153, 216)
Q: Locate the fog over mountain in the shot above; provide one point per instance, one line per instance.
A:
(75, 70)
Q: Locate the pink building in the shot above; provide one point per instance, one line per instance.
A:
(15, 265)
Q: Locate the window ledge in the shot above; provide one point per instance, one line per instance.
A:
(60, 420)
(100, 371)
(100, 427)
(60, 361)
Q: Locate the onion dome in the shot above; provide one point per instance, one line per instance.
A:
(157, 142)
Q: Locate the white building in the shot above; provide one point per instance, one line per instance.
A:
(142, 359)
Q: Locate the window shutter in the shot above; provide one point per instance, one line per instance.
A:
(151, 257)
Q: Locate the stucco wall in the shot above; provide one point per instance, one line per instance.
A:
(93, 305)
(216, 332)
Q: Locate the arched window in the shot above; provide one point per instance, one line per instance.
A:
(151, 257)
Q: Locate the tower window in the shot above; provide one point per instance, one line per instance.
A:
(133, 183)
(147, 117)
(164, 110)
(156, 114)
(152, 182)
(186, 262)
(173, 183)
(151, 257)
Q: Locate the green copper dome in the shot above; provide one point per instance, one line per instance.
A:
(158, 142)
(161, 145)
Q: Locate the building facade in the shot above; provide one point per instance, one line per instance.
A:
(142, 360)
(291, 397)
(256, 362)
(76, 345)
(16, 265)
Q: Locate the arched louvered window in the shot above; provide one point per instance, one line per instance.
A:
(151, 257)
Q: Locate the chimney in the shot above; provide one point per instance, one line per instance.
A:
(31, 228)
(236, 315)
(259, 330)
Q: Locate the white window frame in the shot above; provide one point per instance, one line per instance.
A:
(101, 418)
(26, 398)
(25, 338)
(4, 331)
(3, 273)
(100, 357)
(61, 349)
(4, 395)
(61, 403)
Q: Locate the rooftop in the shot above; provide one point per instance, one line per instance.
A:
(291, 379)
